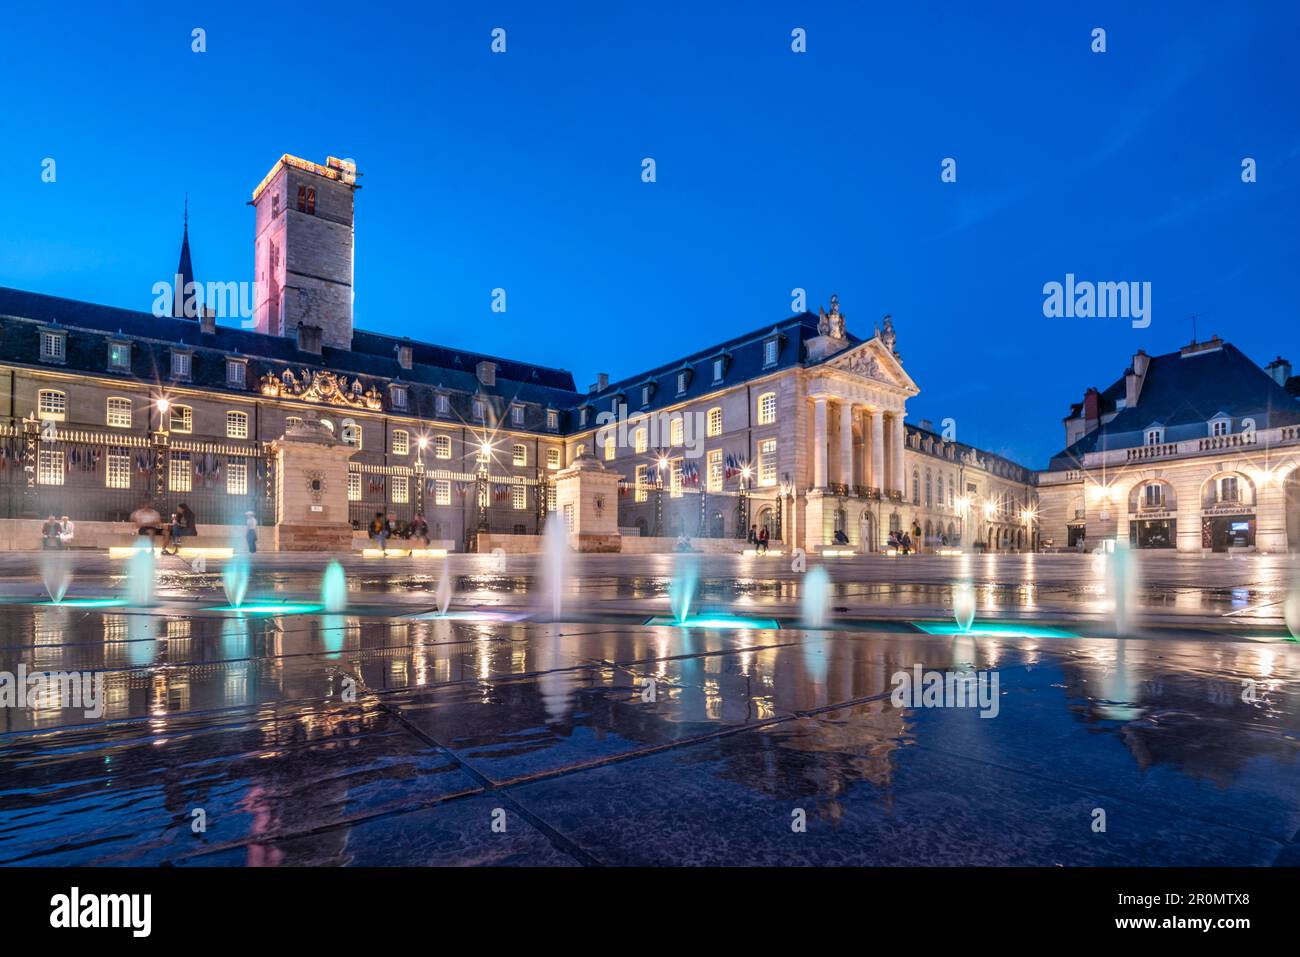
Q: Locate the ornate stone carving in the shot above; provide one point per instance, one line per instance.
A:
(831, 323)
(323, 387)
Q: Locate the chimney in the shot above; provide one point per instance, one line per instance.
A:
(309, 338)
(404, 355)
(602, 381)
(1140, 362)
(208, 321)
(1132, 385)
(1091, 410)
(1280, 370)
(487, 372)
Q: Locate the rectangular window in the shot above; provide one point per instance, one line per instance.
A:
(675, 478)
(552, 419)
(717, 370)
(642, 483)
(479, 410)
(715, 422)
(236, 425)
(767, 408)
(441, 447)
(609, 448)
(351, 434)
(676, 432)
(517, 414)
(401, 442)
(715, 470)
(49, 467)
(401, 489)
(292, 422)
(180, 365)
(519, 455)
(1152, 496)
(119, 413)
(442, 405)
(550, 498)
(681, 382)
(52, 404)
(179, 476)
(1219, 427)
(767, 462)
(552, 458)
(52, 346)
(119, 356)
(642, 441)
(182, 418)
(117, 471)
(442, 492)
(769, 352)
(1228, 489)
(236, 478)
(235, 374)
(398, 393)
(354, 486)
(518, 497)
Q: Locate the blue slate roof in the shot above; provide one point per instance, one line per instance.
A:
(1183, 393)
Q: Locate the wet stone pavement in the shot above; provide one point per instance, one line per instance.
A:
(383, 736)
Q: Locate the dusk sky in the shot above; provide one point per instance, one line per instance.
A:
(775, 170)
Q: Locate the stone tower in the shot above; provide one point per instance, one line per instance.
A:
(303, 249)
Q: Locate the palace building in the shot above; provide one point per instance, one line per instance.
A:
(315, 426)
(1196, 451)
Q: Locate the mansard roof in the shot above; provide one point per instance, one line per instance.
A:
(1184, 390)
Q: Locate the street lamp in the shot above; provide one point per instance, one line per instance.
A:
(659, 495)
(742, 504)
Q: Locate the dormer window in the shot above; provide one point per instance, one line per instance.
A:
(1155, 435)
(516, 415)
(181, 363)
(236, 370)
(552, 420)
(119, 356)
(442, 404)
(681, 382)
(53, 345)
(646, 391)
(1220, 425)
(479, 410)
(718, 369)
(398, 396)
(770, 349)
(582, 416)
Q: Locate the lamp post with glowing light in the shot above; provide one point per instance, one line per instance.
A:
(481, 485)
(742, 504)
(1027, 516)
(420, 445)
(963, 506)
(786, 490)
(160, 443)
(660, 465)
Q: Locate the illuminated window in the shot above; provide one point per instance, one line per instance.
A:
(715, 470)
(715, 422)
(767, 462)
(354, 486)
(181, 418)
(676, 431)
(642, 442)
(519, 455)
(307, 200)
(484, 453)
(579, 450)
(675, 478)
(179, 476)
(351, 433)
(642, 481)
(609, 448)
(442, 492)
(236, 425)
(441, 447)
(401, 489)
(552, 458)
(236, 478)
(119, 356)
(401, 442)
(53, 405)
(49, 467)
(117, 471)
(292, 422)
(518, 497)
(767, 408)
(119, 413)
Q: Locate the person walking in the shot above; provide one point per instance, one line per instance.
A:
(762, 541)
(250, 532)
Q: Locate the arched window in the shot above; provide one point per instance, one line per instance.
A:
(351, 434)
(236, 425)
(715, 421)
(929, 489)
(119, 413)
(767, 408)
(401, 442)
(441, 447)
(916, 487)
(52, 404)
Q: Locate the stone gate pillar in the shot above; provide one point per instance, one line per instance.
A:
(586, 498)
(311, 490)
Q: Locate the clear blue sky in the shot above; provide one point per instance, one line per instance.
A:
(775, 170)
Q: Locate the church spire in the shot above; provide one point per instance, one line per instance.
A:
(184, 269)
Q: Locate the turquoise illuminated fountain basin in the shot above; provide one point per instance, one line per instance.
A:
(83, 603)
(992, 629)
(269, 608)
(714, 621)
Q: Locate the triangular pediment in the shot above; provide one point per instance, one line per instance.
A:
(871, 360)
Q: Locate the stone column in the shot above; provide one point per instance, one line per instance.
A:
(877, 479)
(846, 443)
(819, 442)
(900, 442)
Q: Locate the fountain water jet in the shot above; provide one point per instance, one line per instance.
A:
(234, 579)
(56, 574)
(334, 588)
(140, 584)
(555, 562)
(815, 601)
(963, 605)
(1121, 586)
(681, 590)
(443, 592)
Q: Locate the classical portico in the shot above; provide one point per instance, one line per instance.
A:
(858, 398)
